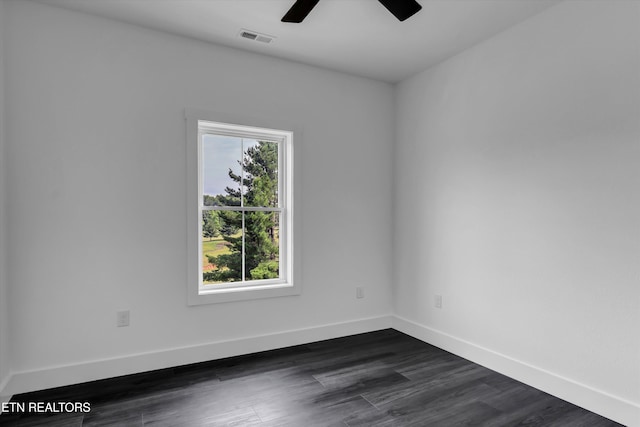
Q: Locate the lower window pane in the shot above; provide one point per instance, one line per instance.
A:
(262, 245)
(221, 247)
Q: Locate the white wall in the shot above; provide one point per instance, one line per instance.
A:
(517, 177)
(4, 305)
(97, 181)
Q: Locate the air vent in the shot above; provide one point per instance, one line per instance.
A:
(255, 36)
(248, 35)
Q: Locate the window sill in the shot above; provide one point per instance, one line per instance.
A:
(242, 293)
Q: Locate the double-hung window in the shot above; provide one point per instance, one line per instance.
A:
(240, 225)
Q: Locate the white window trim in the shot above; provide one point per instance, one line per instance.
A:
(286, 285)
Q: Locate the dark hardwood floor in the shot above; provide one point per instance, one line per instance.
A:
(382, 378)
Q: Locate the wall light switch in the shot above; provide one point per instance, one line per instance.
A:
(122, 318)
(359, 292)
(438, 301)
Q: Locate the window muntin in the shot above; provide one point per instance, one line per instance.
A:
(245, 224)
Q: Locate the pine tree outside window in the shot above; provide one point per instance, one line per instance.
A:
(243, 232)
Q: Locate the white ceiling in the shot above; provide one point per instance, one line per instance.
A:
(355, 36)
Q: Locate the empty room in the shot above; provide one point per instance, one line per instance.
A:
(320, 213)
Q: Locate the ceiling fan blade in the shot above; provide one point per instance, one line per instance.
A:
(299, 11)
(402, 9)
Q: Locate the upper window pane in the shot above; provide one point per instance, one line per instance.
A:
(260, 173)
(229, 161)
(221, 170)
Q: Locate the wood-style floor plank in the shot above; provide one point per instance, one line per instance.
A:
(383, 379)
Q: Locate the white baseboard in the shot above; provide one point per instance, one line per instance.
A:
(24, 382)
(607, 405)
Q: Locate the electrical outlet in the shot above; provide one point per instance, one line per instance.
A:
(122, 318)
(359, 292)
(438, 301)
